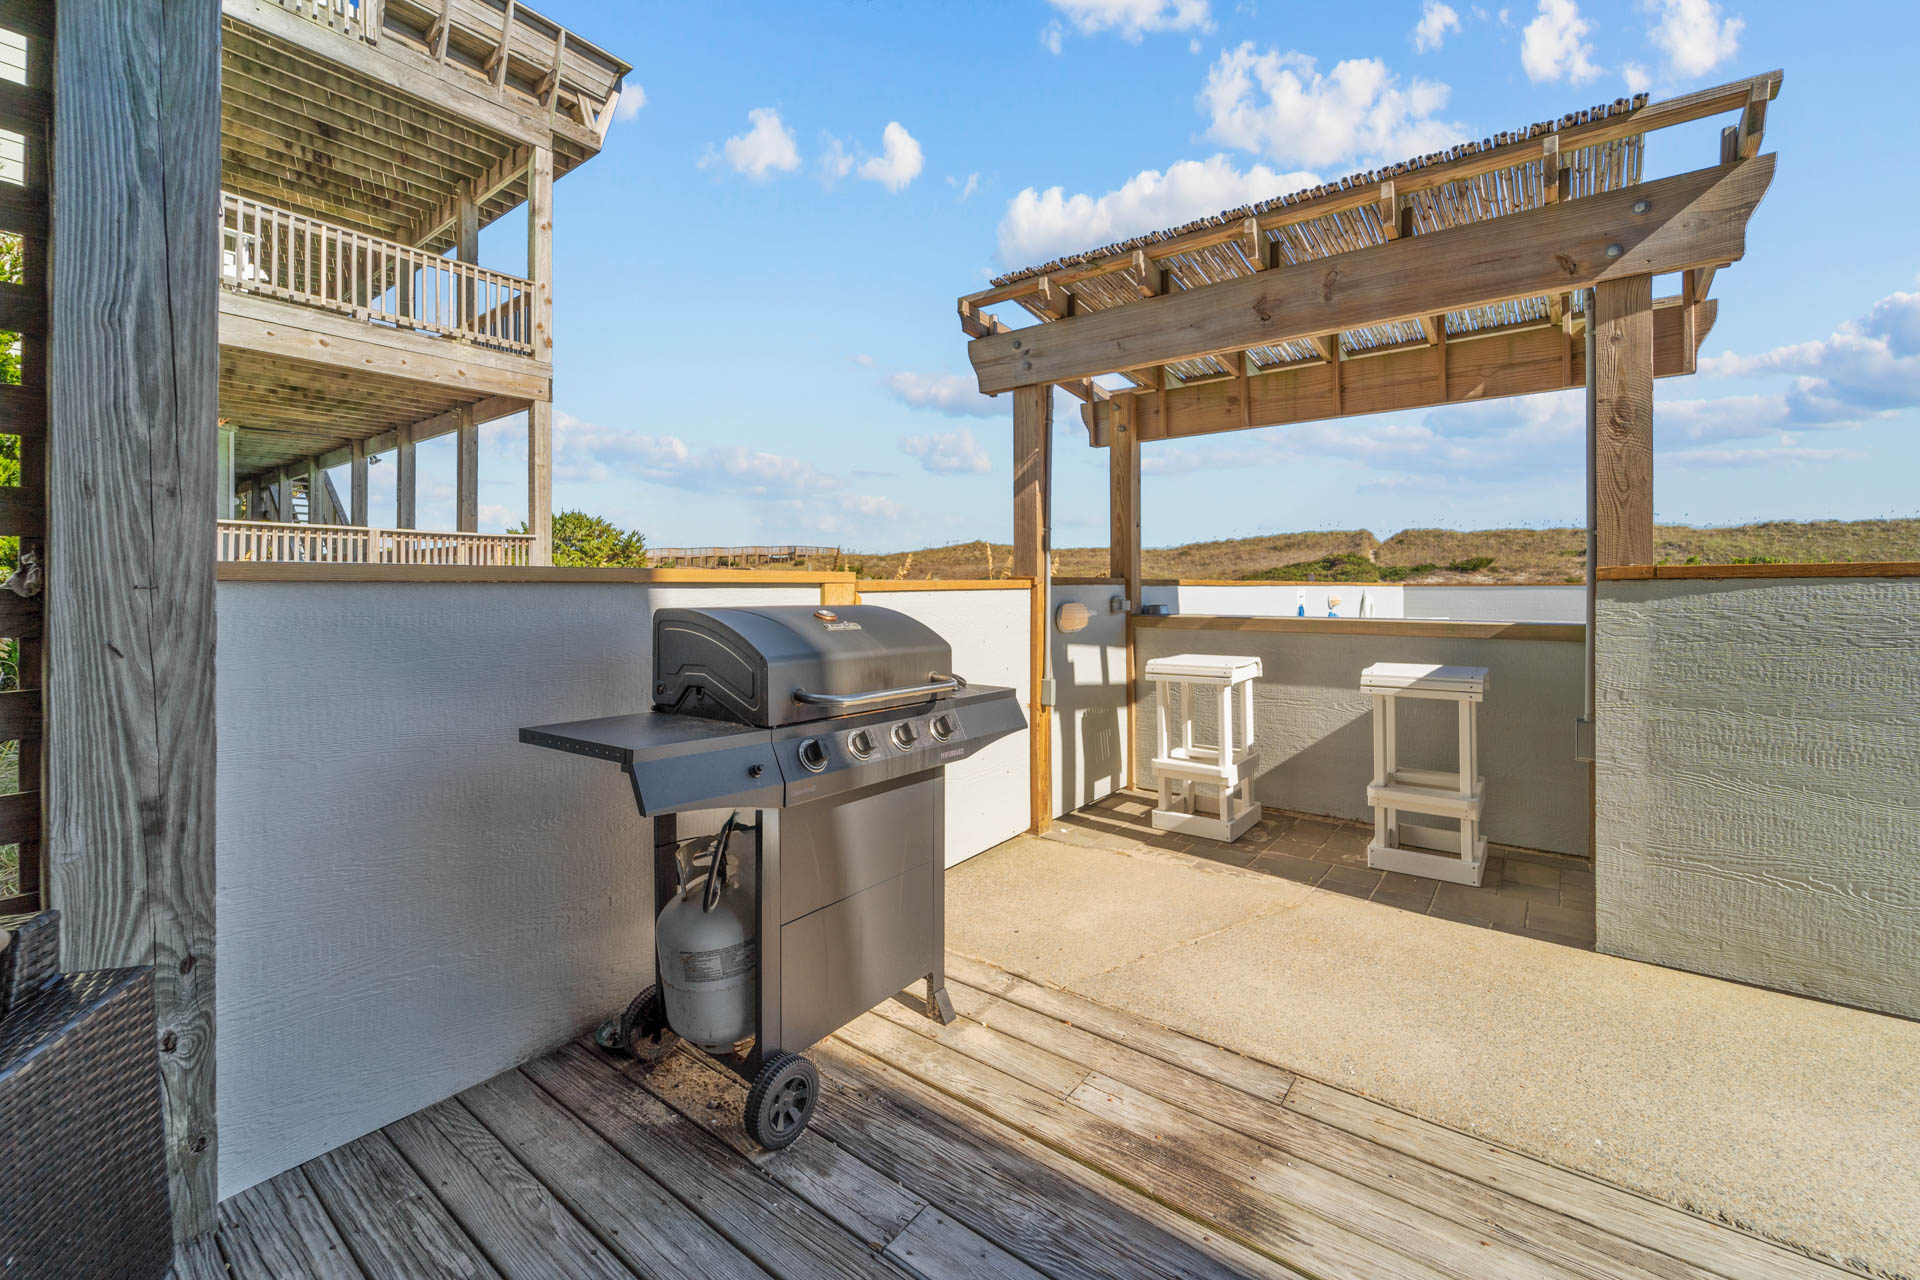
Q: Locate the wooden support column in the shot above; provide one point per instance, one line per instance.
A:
(358, 484)
(1623, 404)
(405, 481)
(283, 496)
(1123, 537)
(467, 473)
(1032, 544)
(1123, 501)
(466, 247)
(540, 412)
(134, 395)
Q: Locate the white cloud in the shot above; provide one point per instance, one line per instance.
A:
(899, 162)
(1051, 36)
(949, 453)
(864, 360)
(835, 161)
(1131, 19)
(1044, 224)
(1278, 105)
(1693, 35)
(951, 394)
(1866, 369)
(763, 150)
(589, 452)
(1436, 20)
(1555, 46)
(1638, 81)
(1766, 456)
(632, 98)
(967, 188)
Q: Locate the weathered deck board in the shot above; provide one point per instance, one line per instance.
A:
(280, 1229)
(1249, 1075)
(1553, 1237)
(1049, 1208)
(735, 1201)
(392, 1222)
(1038, 1136)
(935, 1245)
(865, 1202)
(524, 1230)
(1716, 1248)
(1170, 1171)
(652, 1231)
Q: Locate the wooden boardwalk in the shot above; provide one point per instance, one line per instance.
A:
(1040, 1135)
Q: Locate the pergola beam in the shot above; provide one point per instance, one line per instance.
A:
(1691, 220)
(1739, 95)
(1515, 362)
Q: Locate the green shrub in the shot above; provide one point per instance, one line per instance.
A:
(1472, 564)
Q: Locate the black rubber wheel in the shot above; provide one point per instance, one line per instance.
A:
(641, 1030)
(782, 1100)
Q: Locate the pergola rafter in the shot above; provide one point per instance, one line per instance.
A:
(1459, 276)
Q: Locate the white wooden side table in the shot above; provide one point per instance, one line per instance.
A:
(1206, 789)
(1416, 849)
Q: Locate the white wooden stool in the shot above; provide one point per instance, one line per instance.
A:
(1205, 789)
(1457, 793)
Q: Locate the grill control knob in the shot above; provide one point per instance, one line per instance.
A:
(813, 755)
(904, 736)
(860, 742)
(944, 727)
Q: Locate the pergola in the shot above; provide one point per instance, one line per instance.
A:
(1462, 275)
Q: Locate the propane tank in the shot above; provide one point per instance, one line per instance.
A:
(709, 957)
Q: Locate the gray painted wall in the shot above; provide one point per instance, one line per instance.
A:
(1316, 727)
(409, 900)
(1498, 604)
(1759, 782)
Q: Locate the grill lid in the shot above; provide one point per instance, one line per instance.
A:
(789, 664)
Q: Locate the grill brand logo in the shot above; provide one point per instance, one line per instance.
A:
(843, 626)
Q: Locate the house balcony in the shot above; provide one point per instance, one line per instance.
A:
(272, 252)
(269, 541)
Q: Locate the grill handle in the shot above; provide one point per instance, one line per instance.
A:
(940, 683)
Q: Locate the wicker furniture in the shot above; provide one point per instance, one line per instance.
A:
(83, 1180)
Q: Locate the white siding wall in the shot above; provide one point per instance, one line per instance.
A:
(1090, 695)
(987, 799)
(409, 900)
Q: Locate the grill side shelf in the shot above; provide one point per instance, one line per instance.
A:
(598, 750)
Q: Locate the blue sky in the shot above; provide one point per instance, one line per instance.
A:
(755, 331)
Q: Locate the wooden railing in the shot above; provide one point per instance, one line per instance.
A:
(339, 15)
(353, 544)
(282, 254)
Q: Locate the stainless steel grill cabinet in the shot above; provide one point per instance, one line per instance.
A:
(833, 727)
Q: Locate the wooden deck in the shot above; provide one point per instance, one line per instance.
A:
(1040, 1135)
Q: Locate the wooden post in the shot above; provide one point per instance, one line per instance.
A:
(466, 248)
(405, 485)
(540, 412)
(283, 496)
(1032, 500)
(1123, 501)
(467, 473)
(134, 395)
(358, 484)
(1123, 536)
(1623, 406)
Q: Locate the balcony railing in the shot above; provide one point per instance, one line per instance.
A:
(282, 254)
(353, 544)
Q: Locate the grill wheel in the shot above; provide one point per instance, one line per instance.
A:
(782, 1100)
(641, 1030)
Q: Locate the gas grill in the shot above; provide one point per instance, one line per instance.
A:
(814, 741)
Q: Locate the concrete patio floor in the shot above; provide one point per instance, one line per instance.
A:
(1794, 1119)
